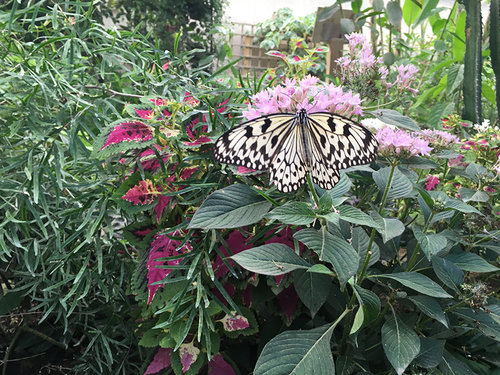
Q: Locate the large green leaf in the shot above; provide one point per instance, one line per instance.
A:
(448, 272)
(452, 366)
(471, 262)
(473, 195)
(313, 289)
(431, 352)
(427, 10)
(392, 117)
(271, 259)
(293, 213)
(231, 207)
(431, 244)
(356, 216)
(482, 320)
(369, 308)
(335, 250)
(359, 242)
(401, 344)
(459, 38)
(298, 353)
(418, 282)
(411, 10)
(401, 186)
(430, 307)
(388, 228)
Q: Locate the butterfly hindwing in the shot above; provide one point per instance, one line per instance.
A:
(253, 144)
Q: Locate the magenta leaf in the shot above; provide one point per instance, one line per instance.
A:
(287, 300)
(160, 361)
(122, 136)
(163, 247)
(218, 366)
(144, 193)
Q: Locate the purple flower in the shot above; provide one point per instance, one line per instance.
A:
(439, 138)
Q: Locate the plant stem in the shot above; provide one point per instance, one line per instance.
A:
(372, 235)
(313, 190)
(414, 256)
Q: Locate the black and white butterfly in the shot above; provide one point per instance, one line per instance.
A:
(292, 145)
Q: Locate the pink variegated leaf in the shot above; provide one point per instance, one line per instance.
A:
(235, 323)
(188, 354)
(160, 361)
(122, 136)
(144, 193)
(218, 366)
(244, 324)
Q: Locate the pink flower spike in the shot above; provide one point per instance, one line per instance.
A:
(165, 66)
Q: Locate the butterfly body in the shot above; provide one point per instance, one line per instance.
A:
(292, 145)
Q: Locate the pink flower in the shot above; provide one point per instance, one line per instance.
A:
(308, 93)
(165, 66)
(439, 137)
(431, 182)
(396, 142)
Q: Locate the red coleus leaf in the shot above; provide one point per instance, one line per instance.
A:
(143, 193)
(218, 366)
(163, 247)
(188, 354)
(287, 300)
(159, 101)
(160, 361)
(237, 243)
(127, 132)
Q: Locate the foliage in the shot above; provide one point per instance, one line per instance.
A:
(64, 266)
(388, 270)
(193, 19)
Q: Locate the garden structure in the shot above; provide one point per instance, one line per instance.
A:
(164, 210)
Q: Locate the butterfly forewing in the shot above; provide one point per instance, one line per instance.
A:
(322, 144)
(343, 142)
(253, 144)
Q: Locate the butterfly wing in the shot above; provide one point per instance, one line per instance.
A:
(336, 142)
(254, 143)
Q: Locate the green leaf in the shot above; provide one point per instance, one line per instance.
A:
(360, 241)
(471, 262)
(448, 273)
(340, 187)
(320, 268)
(427, 10)
(430, 307)
(418, 282)
(299, 353)
(456, 205)
(411, 10)
(313, 289)
(369, 308)
(439, 111)
(356, 216)
(431, 244)
(467, 195)
(9, 301)
(347, 26)
(378, 5)
(388, 228)
(452, 366)
(271, 259)
(394, 13)
(293, 213)
(459, 38)
(335, 250)
(482, 320)
(401, 344)
(431, 352)
(476, 171)
(401, 186)
(392, 117)
(455, 78)
(231, 207)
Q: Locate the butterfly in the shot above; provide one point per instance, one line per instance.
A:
(292, 145)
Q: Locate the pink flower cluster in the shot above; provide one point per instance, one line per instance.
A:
(308, 93)
(439, 138)
(361, 58)
(406, 77)
(399, 142)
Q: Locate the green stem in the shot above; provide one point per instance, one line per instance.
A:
(313, 190)
(414, 256)
(372, 235)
